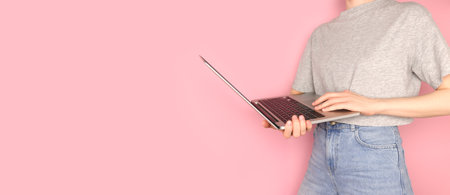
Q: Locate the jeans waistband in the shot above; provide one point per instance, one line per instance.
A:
(337, 125)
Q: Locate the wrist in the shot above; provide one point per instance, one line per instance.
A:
(380, 105)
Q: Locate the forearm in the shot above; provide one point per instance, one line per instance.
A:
(436, 103)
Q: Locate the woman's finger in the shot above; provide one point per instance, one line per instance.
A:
(302, 125)
(337, 106)
(330, 102)
(295, 126)
(326, 96)
(287, 129)
(308, 125)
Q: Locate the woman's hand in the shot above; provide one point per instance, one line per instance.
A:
(347, 100)
(297, 126)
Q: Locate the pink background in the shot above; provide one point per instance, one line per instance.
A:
(110, 97)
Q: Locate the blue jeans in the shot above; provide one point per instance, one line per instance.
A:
(353, 159)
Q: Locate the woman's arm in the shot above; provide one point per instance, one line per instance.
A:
(436, 103)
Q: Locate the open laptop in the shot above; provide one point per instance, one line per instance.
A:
(278, 110)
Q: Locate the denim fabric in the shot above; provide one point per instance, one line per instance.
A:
(352, 159)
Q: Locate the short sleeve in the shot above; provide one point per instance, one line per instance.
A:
(432, 55)
(304, 79)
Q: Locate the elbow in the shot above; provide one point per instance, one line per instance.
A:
(444, 101)
(295, 92)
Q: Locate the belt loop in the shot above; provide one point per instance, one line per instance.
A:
(353, 127)
(323, 125)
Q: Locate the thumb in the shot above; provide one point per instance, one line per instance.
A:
(266, 124)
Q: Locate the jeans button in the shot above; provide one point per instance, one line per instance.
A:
(332, 123)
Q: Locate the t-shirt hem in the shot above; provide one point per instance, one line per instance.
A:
(382, 120)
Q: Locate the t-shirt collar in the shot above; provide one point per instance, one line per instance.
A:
(354, 11)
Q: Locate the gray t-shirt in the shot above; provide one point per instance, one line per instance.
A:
(380, 49)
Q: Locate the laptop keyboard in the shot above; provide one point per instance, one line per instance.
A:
(285, 107)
